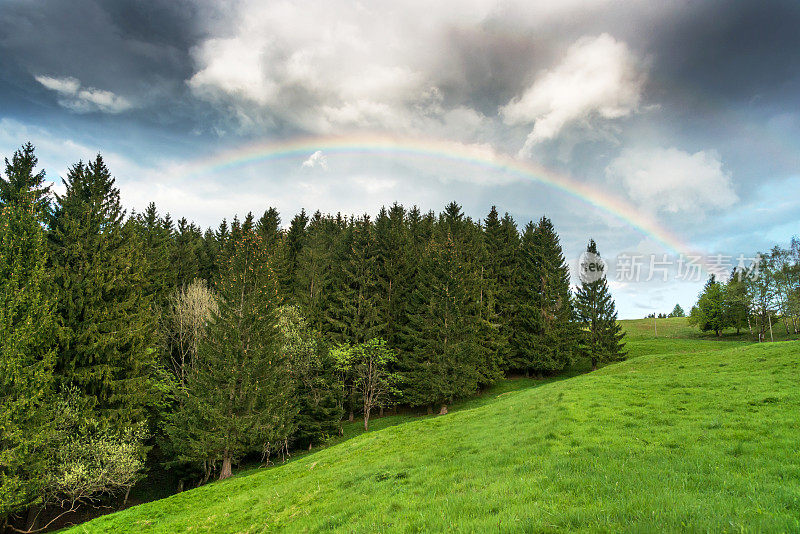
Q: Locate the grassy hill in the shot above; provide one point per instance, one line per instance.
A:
(691, 433)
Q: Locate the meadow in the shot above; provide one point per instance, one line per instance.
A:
(691, 433)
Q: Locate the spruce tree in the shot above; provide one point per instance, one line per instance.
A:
(394, 266)
(677, 311)
(185, 253)
(293, 243)
(99, 271)
(546, 336)
(526, 321)
(498, 271)
(601, 334)
(239, 393)
(710, 314)
(360, 315)
(28, 331)
(315, 269)
(268, 227)
(352, 315)
(444, 357)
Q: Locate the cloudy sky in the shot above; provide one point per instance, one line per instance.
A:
(683, 113)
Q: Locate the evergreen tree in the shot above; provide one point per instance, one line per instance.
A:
(351, 314)
(394, 266)
(359, 317)
(155, 237)
(107, 352)
(601, 339)
(709, 313)
(269, 228)
(185, 253)
(677, 311)
(444, 360)
(290, 258)
(238, 395)
(546, 334)
(249, 224)
(28, 331)
(315, 269)
(526, 322)
(498, 272)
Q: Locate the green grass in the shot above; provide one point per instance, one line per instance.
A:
(691, 434)
(674, 336)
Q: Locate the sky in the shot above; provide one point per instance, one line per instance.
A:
(664, 130)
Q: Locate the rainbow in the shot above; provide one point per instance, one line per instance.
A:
(479, 156)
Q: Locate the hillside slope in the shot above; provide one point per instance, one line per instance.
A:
(700, 441)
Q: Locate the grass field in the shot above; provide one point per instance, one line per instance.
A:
(690, 434)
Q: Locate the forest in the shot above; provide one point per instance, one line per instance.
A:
(759, 298)
(133, 342)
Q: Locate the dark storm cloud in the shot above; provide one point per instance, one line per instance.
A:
(725, 76)
(732, 50)
(139, 50)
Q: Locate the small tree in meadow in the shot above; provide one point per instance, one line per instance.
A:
(601, 339)
(677, 311)
(709, 312)
(366, 367)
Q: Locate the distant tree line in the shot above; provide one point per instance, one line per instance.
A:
(760, 298)
(677, 311)
(128, 335)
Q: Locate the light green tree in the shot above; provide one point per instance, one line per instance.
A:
(366, 368)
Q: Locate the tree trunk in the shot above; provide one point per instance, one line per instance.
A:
(443, 410)
(772, 339)
(594, 364)
(180, 486)
(225, 472)
(430, 410)
(309, 445)
(380, 413)
(351, 417)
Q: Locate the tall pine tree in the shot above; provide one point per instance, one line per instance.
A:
(444, 360)
(601, 334)
(99, 271)
(239, 392)
(27, 335)
(545, 333)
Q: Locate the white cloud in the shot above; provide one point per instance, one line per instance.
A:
(64, 86)
(327, 66)
(86, 99)
(673, 181)
(599, 77)
(317, 159)
(318, 65)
